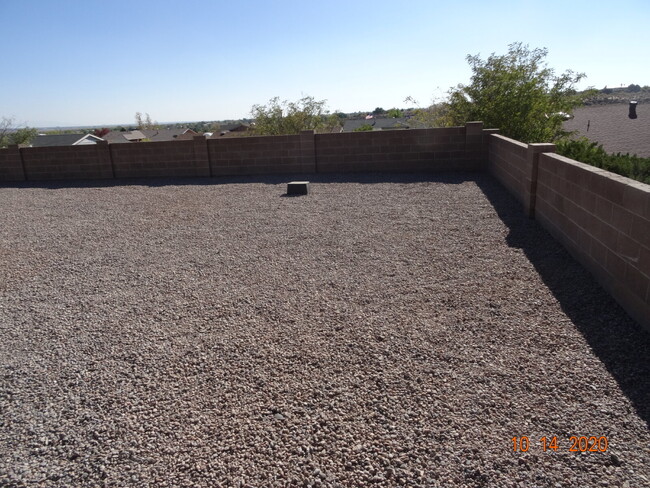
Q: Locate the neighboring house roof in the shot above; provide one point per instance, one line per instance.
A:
(233, 129)
(115, 137)
(186, 136)
(381, 124)
(134, 135)
(236, 127)
(158, 135)
(64, 140)
(611, 126)
(153, 135)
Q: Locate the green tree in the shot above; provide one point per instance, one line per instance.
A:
(378, 111)
(285, 117)
(433, 116)
(517, 93)
(363, 128)
(24, 135)
(10, 134)
(395, 113)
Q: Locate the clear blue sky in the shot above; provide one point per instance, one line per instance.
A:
(98, 62)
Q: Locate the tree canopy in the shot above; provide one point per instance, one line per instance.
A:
(285, 117)
(9, 134)
(395, 113)
(145, 122)
(517, 93)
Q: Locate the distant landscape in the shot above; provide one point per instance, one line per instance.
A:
(598, 124)
(603, 119)
(201, 126)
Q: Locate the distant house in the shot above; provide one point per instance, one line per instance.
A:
(381, 124)
(134, 136)
(123, 137)
(230, 130)
(150, 135)
(159, 135)
(188, 135)
(45, 140)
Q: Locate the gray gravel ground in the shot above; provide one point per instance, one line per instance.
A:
(384, 330)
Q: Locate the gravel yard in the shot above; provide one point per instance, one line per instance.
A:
(384, 330)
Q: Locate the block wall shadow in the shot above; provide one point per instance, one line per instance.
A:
(619, 342)
(450, 177)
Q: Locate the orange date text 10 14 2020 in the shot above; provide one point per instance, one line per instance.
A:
(575, 444)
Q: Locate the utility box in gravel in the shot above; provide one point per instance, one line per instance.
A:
(298, 188)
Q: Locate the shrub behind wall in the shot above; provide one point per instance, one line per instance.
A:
(592, 153)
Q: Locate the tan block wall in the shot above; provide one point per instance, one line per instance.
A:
(455, 148)
(604, 220)
(258, 155)
(156, 159)
(396, 150)
(11, 165)
(507, 162)
(66, 162)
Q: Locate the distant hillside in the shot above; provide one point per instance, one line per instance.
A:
(620, 95)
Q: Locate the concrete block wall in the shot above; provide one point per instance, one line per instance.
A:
(399, 150)
(454, 148)
(474, 149)
(260, 155)
(603, 220)
(11, 164)
(156, 159)
(507, 163)
(66, 162)
(515, 165)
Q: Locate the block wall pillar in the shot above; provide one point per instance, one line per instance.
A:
(474, 144)
(486, 146)
(530, 178)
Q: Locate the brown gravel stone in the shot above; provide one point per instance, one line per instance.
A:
(384, 330)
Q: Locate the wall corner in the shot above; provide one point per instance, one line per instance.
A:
(474, 144)
(532, 163)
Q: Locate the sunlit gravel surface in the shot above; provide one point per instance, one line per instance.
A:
(383, 330)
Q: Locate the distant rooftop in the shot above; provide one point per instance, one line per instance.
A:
(153, 135)
(64, 140)
(383, 123)
(610, 126)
